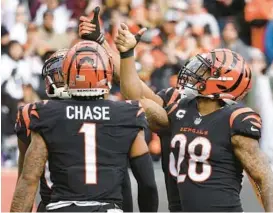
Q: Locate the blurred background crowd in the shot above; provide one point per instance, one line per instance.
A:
(31, 30)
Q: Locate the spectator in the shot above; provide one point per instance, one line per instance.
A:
(77, 7)
(60, 13)
(147, 62)
(50, 39)
(171, 18)
(199, 19)
(154, 15)
(223, 10)
(262, 92)
(16, 70)
(8, 9)
(257, 13)
(15, 73)
(4, 40)
(232, 41)
(123, 6)
(32, 42)
(19, 31)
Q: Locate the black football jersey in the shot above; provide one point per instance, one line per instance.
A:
(169, 96)
(24, 134)
(88, 144)
(202, 159)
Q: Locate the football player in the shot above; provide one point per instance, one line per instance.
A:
(52, 75)
(87, 141)
(213, 137)
(89, 29)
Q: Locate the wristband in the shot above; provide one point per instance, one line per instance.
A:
(127, 54)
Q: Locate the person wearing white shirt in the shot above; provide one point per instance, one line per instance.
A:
(60, 12)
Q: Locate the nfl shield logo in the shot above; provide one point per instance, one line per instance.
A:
(197, 121)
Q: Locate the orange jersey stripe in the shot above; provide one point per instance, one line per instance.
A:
(35, 113)
(238, 112)
(174, 96)
(256, 124)
(18, 118)
(173, 108)
(141, 110)
(256, 117)
(26, 117)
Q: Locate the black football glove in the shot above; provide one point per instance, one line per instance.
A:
(96, 36)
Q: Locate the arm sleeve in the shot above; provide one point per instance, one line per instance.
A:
(246, 122)
(142, 168)
(127, 205)
(22, 124)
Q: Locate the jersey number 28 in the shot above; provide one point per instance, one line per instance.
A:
(174, 166)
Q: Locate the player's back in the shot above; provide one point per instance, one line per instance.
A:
(88, 144)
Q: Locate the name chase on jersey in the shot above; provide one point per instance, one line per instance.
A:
(87, 112)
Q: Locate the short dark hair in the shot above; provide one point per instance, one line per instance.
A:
(47, 12)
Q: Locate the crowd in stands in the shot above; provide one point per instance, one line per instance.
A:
(31, 30)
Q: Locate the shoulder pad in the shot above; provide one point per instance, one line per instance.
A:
(22, 123)
(244, 121)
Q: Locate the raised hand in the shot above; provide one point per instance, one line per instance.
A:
(85, 26)
(89, 29)
(125, 40)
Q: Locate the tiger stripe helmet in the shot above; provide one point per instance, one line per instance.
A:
(88, 69)
(218, 74)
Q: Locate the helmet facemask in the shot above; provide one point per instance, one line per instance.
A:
(53, 77)
(194, 75)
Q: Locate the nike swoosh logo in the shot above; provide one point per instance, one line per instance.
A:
(253, 129)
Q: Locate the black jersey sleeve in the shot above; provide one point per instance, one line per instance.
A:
(42, 117)
(22, 123)
(132, 114)
(169, 96)
(246, 122)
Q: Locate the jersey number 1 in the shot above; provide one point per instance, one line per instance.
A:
(90, 157)
(174, 167)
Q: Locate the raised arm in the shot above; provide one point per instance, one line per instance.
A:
(156, 116)
(34, 163)
(131, 85)
(140, 89)
(257, 166)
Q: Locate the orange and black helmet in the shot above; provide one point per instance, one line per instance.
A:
(53, 75)
(218, 74)
(88, 69)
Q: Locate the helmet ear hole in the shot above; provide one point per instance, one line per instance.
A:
(202, 87)
(216, 73)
